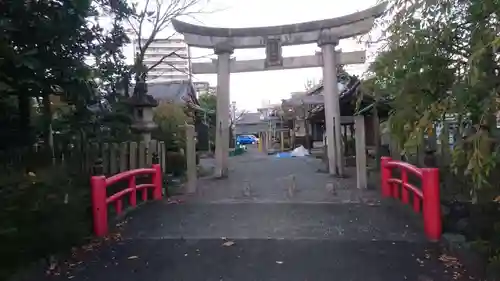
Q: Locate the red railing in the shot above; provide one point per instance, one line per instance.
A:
(425, 199)
(100, 200)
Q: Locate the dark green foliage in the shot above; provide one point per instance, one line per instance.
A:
(43, 213)
(170, 119)
(441, 60)
(44, 48)
(209, 103)
(63, 83)
(176, 163)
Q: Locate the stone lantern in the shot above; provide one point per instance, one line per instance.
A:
(143, 105)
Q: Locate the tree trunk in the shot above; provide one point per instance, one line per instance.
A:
(308, 137)
(24, 133)
(376, 136)
(231, 136)
(47, 124)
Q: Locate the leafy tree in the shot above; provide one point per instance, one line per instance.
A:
(48, 56)
(44, 48)
(208, 102)
(441, 59)
(46, 82)
(170, 118)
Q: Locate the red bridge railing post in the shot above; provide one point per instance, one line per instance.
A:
(100, 200)
(157, 181)
(99, 206)
(431, 204)
(385, 175)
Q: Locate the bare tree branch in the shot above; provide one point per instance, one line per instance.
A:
(163, 59)
(232, 121)
(159, 15)
(240, 115)
(133, 28)
(141, 21)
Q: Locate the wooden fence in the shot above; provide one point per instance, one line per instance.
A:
(119, 157)
(116, 157)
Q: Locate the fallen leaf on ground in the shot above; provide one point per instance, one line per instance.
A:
(450, 261)
(174, 201)
(228, 243)
(133, 257)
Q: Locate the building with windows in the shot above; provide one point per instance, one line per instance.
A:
(203, 87)
(175, 64)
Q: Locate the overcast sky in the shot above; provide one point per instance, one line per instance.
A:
(249, 90)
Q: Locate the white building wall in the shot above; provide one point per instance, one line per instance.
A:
(173, 68)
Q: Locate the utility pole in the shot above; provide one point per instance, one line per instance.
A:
(233, 121)
(190, 65)
(233, 111)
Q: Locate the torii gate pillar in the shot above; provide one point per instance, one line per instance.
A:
(223, 53)
(328, 42)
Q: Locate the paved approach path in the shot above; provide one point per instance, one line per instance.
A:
(251, 226)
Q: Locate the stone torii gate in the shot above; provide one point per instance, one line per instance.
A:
(326, 33)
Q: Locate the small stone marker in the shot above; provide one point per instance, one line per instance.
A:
(228, 244)
(292, 186)
(331, 188)
(247, 189)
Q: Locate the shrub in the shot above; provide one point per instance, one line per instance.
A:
(176, 163)
(170, 117)
(42, 213)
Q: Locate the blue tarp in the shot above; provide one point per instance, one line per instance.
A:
(284, 155)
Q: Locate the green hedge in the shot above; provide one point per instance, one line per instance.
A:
(41, 214)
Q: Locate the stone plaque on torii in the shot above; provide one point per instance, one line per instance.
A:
(326, 33)
(273, 53)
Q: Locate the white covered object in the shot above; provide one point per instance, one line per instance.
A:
(299, 152)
